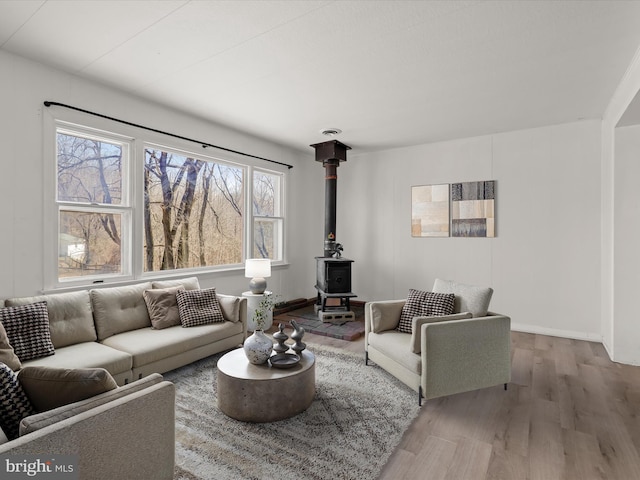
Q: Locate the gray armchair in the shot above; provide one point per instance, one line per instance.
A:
(443, 355)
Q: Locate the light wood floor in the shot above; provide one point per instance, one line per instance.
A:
(569, 413)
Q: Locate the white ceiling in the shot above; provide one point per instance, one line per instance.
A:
(388, 73)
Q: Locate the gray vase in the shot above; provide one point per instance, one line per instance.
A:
(258, 348)
(296, 336)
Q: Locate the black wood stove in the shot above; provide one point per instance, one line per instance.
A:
(333, 273)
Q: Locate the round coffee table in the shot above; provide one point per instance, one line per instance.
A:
(262, 393)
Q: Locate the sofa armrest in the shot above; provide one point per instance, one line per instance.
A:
(464, 355)
(40, 420)
(382, 315)
(417, 322)
(131, 437)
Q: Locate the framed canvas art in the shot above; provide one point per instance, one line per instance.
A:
(430, 210)
(473, 209)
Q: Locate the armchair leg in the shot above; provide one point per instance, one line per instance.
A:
(505, 386)
(420, 396)
(366, 357)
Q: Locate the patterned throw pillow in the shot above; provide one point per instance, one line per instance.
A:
(198, 307)
(27, 328)
(14, 404)
(424, 304)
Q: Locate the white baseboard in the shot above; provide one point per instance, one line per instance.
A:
(553, 332)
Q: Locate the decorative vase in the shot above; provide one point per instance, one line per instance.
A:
(296, 336)
(280, 337)
(258, 348)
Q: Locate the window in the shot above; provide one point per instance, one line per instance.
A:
(92, 205)
(267, 217)
(193, 212)
(127, 208)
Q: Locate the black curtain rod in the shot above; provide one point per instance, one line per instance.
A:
(204, 144)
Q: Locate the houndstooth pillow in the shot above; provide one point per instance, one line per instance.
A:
(14, 404)
(27, 328)
(424, 304)
(198, 307)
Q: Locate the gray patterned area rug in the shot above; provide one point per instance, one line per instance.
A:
(357, 418)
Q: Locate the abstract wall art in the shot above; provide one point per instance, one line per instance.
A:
(430, 211)
(473, 209)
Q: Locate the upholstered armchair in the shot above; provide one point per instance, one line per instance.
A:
(442, 355)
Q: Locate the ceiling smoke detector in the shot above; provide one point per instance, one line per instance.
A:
(331, 132)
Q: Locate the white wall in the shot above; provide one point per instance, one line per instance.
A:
(544, 264)
(25, 85)
(621, 335)
(626, 334)
(551, 265)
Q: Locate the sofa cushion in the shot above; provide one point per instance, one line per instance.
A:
(27, 328)
(7, 355)
(14, 404)
(396, 345)
(149, 346)
(230, 307)
(162, 306)
(424, 304)
(198, 307)
(87, 355)
(119, 309)
(70, 316)
(190, 283)
(417, 322)
(49, 388)
(469, 298)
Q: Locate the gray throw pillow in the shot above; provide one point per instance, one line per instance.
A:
(49, 388)
(469, 298)
(163, 306)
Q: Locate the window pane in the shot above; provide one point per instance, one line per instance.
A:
(89, 170)
(267, 235)
(89, 244)
(193, 212)
(266, 194)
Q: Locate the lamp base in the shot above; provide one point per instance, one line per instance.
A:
(257, 285)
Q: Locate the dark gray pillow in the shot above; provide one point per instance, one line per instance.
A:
(48, 387)
(163, 306)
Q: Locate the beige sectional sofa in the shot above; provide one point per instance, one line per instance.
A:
(126, 433)
(110, 328)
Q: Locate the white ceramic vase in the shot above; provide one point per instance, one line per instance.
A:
(258, 348)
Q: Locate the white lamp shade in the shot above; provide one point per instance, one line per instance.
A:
(257, 267)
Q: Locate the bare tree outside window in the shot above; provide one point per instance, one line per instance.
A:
(89, 180)
(192, 212)
(267, 223)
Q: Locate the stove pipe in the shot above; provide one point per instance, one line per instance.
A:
(330, 153)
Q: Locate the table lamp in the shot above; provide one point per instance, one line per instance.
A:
(257, 269)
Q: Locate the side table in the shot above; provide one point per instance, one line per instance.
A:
(253, 300)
